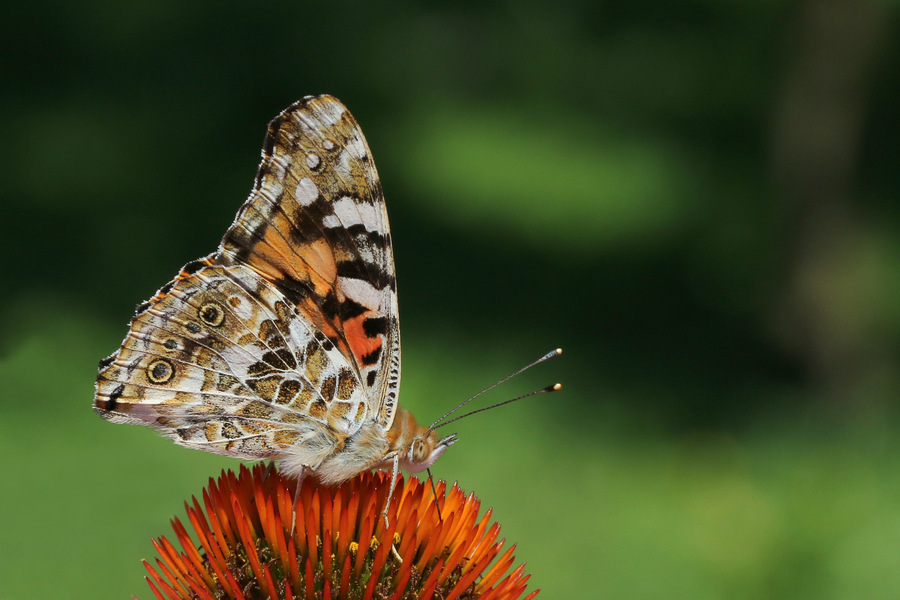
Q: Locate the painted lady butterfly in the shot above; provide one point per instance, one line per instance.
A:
(284, 343)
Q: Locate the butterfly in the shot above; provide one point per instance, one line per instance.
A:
(284, 343)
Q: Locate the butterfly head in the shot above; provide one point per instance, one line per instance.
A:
(419, 447)
(425, 449)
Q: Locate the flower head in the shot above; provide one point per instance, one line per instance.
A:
(340, 547)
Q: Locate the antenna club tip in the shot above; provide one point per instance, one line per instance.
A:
(548, 356)
(557, 387)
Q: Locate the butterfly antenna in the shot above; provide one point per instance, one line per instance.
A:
(548, 356)
(434, 489)
(550, 388)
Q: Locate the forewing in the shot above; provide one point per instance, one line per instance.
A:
(220, 361)
(316, 227)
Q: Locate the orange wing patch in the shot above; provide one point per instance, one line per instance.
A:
(365, 349)
(275, 259)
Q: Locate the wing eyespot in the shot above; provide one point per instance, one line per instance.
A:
(160, 371)
(211, 314)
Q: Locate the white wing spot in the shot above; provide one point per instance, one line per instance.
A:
(351, 212)
(363, 292)
(332, 113)
(312, 160)
(307, 192)
(328, 145)
(356, 148)
(241, 307)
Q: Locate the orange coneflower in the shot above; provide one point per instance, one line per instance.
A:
(340, 547)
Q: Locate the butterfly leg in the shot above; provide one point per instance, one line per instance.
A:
(395, 470)
(303, 472)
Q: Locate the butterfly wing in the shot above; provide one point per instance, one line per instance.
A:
(316, 226)
(218, 361)
(287, 336)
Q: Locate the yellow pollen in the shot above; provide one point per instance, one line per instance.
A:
(374, 543)
(396, 538)
(354, 547)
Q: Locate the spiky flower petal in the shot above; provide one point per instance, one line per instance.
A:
(340, 547)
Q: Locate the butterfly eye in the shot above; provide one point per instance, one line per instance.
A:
(160, 371)
(212, 314)
(420, 451)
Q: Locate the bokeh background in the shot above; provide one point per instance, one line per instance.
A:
(697, 200)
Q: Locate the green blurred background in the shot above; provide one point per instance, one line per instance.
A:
(697, 200)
